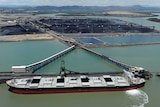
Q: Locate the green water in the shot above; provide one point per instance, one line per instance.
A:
(81, 61)
(23, 53)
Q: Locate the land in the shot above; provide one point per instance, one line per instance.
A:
(29, 28)
(154, 20)
(81, 10)
(26, 37)
(128, 14)
(24, 24)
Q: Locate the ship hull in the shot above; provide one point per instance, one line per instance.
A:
(72, 89)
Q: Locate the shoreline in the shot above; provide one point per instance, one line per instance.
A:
(45, 37)
(109, 34)
(121, 45)
(26, 37)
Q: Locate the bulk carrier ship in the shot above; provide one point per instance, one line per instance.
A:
(73, 82)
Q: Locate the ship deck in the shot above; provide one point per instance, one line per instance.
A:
(69, 81)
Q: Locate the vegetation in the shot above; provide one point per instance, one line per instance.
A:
(154, 19)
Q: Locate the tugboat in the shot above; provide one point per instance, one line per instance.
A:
(72, 82)
(158, 74)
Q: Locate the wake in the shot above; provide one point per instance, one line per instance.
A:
(138, 97)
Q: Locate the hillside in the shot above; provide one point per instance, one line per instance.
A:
(135, 8)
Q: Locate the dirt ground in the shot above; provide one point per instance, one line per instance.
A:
(126, 13)
(26, 37)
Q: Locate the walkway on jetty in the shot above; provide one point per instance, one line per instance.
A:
(137, 71)
(29, 70)
(32, 68)
(114, 61)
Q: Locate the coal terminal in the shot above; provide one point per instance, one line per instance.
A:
(77, 26)
(18, 29)
(94, 26)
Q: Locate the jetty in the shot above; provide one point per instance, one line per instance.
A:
(30, 70)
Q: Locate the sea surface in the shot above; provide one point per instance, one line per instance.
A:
(121, 39)
(132, 39)
(24, 53)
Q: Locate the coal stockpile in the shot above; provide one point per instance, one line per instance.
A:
(94, 26)
(17, 30)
